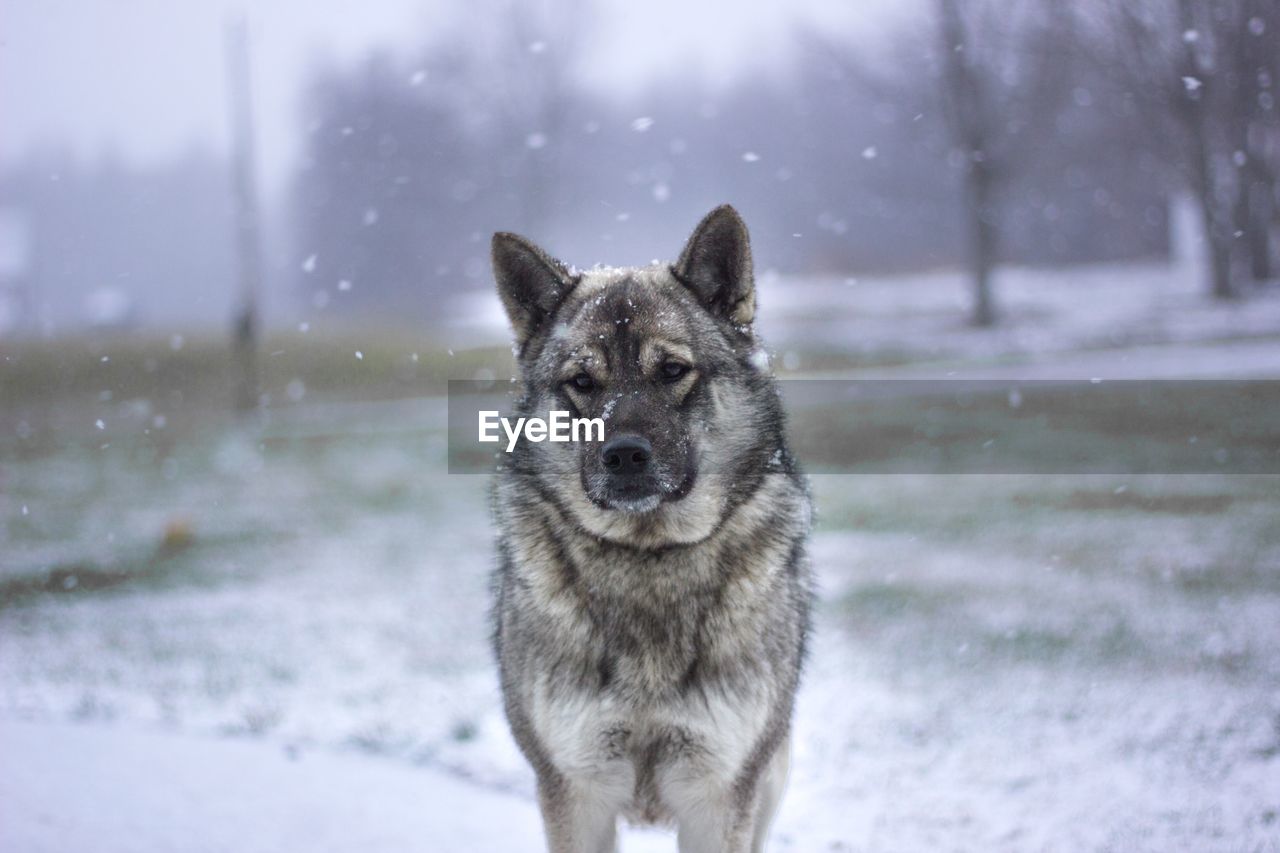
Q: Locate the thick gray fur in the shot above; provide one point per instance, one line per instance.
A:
(650, 647)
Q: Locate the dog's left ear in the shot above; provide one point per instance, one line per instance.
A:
(716, 266)
(531, 283)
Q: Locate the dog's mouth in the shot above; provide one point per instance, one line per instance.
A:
(638, 497)
(638, 505)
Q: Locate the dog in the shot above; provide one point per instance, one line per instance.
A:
(652, 597)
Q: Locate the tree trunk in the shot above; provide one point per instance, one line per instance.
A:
(982, 240)
(1217, 230)
(1214, 222)
(1191, 108)
(1219, 251)
(244, 335)
(1257, 194)
(1252, 49)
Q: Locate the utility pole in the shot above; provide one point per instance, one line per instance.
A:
(244, 334)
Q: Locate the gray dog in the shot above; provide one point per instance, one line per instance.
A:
(652, 598)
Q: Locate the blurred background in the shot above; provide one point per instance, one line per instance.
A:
(243, 248)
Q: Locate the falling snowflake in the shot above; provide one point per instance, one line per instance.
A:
(309, 265)
(536, 140)
(642, 124)
(869, 153)
(751, 157)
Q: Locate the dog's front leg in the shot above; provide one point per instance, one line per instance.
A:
(576, 818)
(772, 783)
(718, 824)
(712, 814)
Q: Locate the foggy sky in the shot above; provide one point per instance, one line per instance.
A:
(144, 79)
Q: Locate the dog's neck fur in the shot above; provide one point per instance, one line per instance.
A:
(588, 583)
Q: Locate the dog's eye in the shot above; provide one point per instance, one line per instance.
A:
(583, 382)
(673, 370)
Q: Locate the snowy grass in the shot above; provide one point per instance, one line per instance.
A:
(996, 657)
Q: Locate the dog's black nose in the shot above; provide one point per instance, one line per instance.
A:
(626, 455)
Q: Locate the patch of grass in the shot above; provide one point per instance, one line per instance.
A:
(1172, 504)
(56, 391)
(889, 601)
(1091, 638)
(1049, 428)
(1201, 535)
(179, 558)
(1027, 643)
(464, 731)
(81, 578)
(1234, 578)
(937, 625)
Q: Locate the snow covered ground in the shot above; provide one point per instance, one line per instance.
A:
(78, 787)
(276, 638)
(1000, 663)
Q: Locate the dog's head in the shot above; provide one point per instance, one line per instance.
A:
(666, 356)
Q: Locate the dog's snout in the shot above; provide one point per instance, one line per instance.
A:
(626, 455)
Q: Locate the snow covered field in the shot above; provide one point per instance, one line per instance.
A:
(273, 638)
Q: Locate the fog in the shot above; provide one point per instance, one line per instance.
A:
(386, 145)
(145, 80)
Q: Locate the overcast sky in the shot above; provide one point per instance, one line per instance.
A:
(144, 78)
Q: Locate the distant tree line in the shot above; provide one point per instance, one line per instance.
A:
(989, 132)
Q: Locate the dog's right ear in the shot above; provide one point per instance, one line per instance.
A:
(716, 266)
(531, 283)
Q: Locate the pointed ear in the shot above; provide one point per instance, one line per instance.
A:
(716, 266)
(531, 283)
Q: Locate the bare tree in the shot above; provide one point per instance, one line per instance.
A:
(1249, 31)
(534, 56)
(1199, 69)
(248, 227)
(1003, 72)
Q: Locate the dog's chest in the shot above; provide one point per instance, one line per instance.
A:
(649, 649)
(649, 754)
